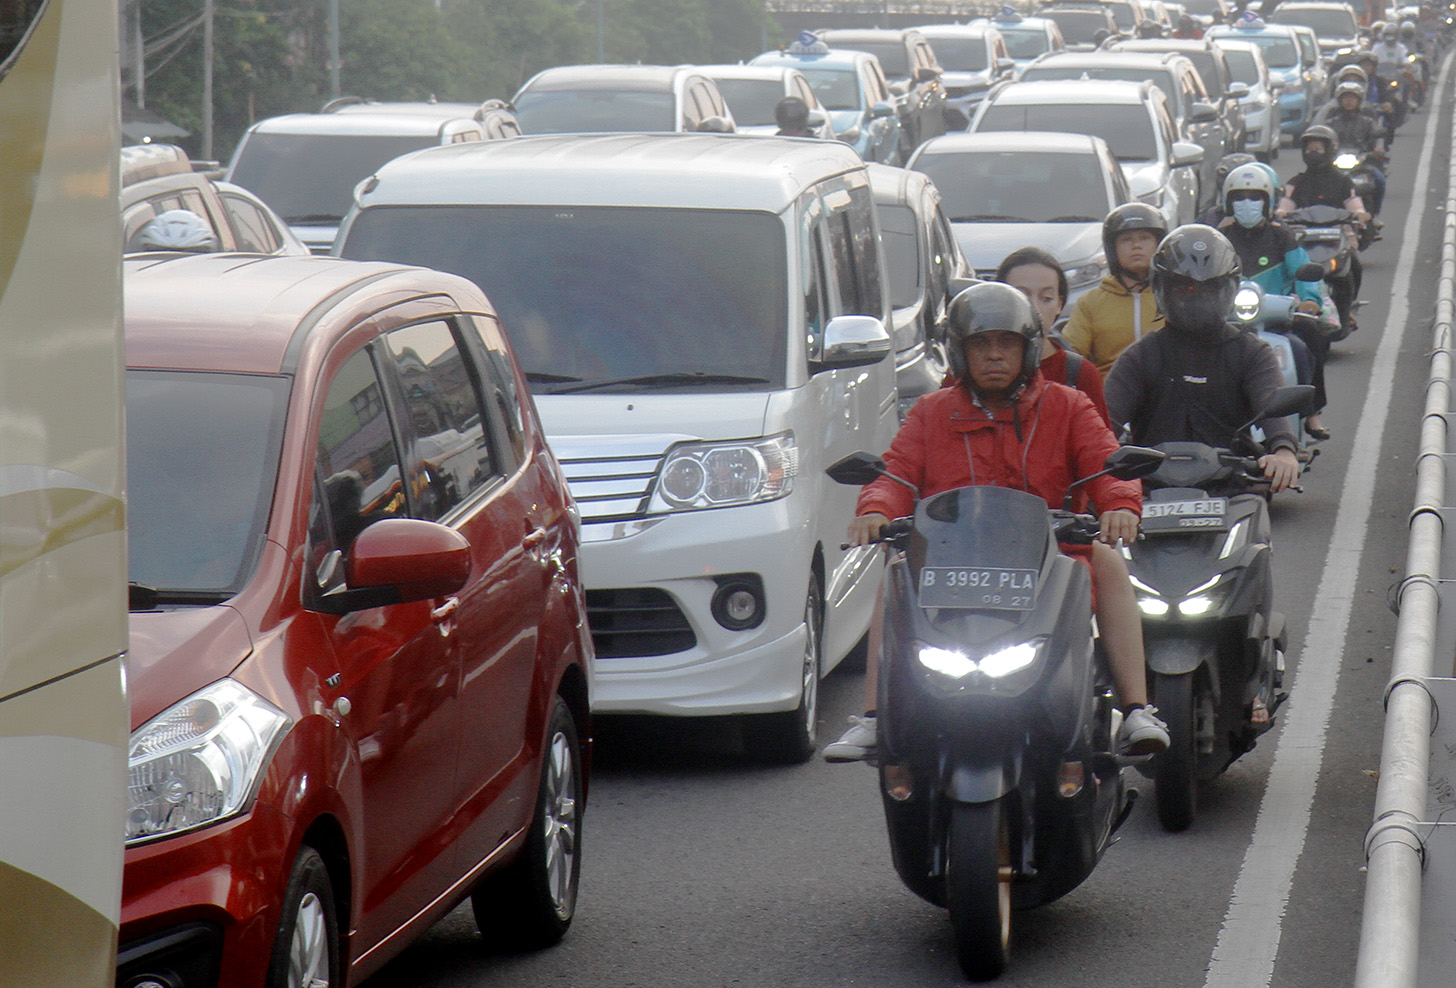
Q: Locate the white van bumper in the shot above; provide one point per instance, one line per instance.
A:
(683, 560)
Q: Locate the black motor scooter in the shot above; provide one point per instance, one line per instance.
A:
(1215, 645)
(996, 715)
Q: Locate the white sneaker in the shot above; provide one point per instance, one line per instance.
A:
(1143, 733)
(860, 741)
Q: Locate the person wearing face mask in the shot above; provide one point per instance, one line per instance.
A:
(1200, 379)
(1120, 310)
(1270, 255)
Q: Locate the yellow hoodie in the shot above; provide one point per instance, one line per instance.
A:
(1109, 319)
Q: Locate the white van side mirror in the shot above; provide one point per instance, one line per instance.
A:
(853, 341)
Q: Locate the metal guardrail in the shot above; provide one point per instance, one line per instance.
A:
(1406, 936)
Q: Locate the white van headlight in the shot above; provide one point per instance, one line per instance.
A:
(198, 762)
(716, 475)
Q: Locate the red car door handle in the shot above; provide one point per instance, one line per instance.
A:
(445, 610)
(533, 539)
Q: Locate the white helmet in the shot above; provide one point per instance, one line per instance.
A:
(1249, 178)
(177, 229)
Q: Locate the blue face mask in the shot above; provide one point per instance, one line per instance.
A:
(1248, 213)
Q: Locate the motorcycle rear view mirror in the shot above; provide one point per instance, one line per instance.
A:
(1296, 399)
(1310, 271)
(1124, 463)
(860, 468)
(1133, 462)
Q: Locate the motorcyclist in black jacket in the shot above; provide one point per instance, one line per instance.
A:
(1357, 131)
(1200, 379)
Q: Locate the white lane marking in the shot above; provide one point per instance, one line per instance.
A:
(1248, 943)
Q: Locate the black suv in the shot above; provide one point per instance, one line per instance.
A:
(913, 74)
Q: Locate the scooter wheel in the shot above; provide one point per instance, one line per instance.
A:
(1177, 768)
(978, 880)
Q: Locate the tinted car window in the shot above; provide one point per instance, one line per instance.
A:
(894, 59)
(1279, 53)
(1017, 186)
(837, 89)
(899, 231)
(500, 388)
(1025, 42)
(1079, 27)
(1126, 127)
(1243, 68)
(708, 291)
(961, 54)
(752, 100)
(594, 111)
(202, 457)
(311, 176)
(451, 449)
(358, 461)
(251, 226)
(1326, 23)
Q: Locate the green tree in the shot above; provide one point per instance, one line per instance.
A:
(508, 41)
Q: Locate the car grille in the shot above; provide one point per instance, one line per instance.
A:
(611, 477)
(638, 621)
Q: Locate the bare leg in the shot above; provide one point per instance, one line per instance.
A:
(1120, 625)
(876, 644)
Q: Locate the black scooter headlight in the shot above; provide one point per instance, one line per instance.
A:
(996, 665)
(1346, 161)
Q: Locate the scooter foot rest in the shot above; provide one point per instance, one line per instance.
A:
(1128, 804)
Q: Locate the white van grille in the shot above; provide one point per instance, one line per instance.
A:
(611, 478)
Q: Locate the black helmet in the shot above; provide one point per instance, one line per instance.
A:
(791, 113)
(990, 307)
(1195, 278)
(1229, 162)
(1129, 216)
(1319, 132)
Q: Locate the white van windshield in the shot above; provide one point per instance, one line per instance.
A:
(610, 298)
(310, 178)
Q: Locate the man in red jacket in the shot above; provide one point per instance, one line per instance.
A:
(1007, 426)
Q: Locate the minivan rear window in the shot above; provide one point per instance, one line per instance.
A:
(752, 100)
(201, 463)
(310, 178)
(610, 297)
(1126, 127)
(595, 111)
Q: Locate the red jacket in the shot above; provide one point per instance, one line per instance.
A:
(1063, 438)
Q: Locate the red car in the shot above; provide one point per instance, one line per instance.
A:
(359, 668)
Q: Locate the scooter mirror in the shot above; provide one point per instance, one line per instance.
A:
(1296, 399)
(1133, 462)
(1310, 271)
(856, 469)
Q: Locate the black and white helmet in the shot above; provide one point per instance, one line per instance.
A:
(1195, 277)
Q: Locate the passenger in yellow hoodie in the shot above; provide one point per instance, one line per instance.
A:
(1120, 311)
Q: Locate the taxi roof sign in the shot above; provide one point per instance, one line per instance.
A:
(808, 43)
(1007, 15)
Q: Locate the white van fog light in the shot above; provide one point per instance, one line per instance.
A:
(738, 602)
(721, 474)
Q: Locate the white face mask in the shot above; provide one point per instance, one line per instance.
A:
(1248, 213)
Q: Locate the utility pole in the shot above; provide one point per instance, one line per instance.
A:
(334, 89)
(601, 34)
(207, 11)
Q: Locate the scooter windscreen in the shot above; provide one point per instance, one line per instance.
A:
(981, 548)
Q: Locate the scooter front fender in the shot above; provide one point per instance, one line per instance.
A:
(1178, 656)
(982, 779)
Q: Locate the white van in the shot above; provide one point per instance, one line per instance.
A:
(702, 318)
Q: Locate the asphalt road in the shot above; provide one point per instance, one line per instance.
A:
(702, 869)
